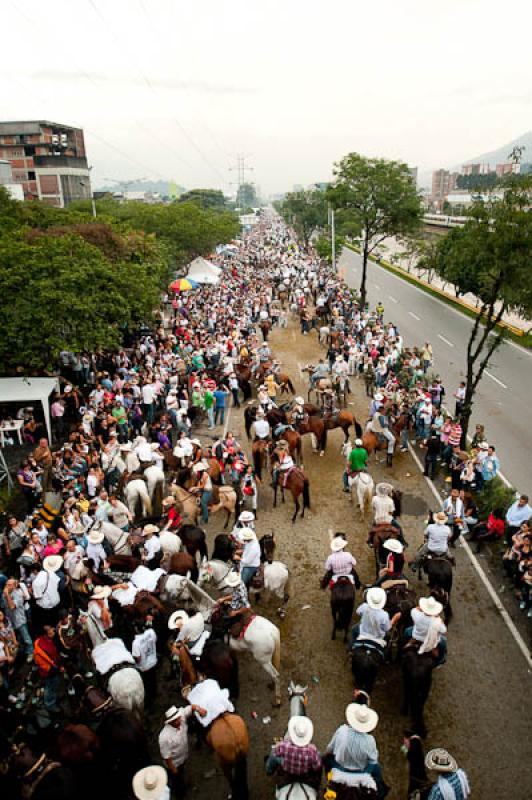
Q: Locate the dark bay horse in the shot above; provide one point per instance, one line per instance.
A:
(259, 455)
(297, 484)
(342, 605)
(365, 662)
(440, 577)
(343, 419)
(417, 681)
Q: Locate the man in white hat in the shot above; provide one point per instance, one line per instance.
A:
(298, 411)
(437, 536)
(95, 550)
(173, 743)
(382, 504)
(151, 783)
(249, 556)
(261, 427)
(375, 622)
(452, 783)
(45, 588)
(339, 563)
(144, 651)
(356, 462)
(353, 749)
(428, 629)
(203, 487)
(295, 759)
(380, 424)
(151, 546)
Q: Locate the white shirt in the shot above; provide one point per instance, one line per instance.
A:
(208, 695)
(45, 589)
(383, 508)
(144, 452)
(438, 538)
(173, 742)
(148, 394)
(262, 428)
(144, 649)
(152, 546)
(251, 554)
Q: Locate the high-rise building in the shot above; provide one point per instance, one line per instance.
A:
(443, 182)
(508, 168)
(475, 169)
(48, 159)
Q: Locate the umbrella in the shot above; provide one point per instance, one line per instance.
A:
(183, 285)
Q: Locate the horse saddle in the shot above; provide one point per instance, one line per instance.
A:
(444, 557)
(240, 625)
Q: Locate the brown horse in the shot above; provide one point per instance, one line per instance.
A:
(259, 455)
(317, 428)
(282, 378)
(296, 483)
(228, 735)
(343, 419)
(371, 442)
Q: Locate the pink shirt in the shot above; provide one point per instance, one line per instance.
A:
(340, 563)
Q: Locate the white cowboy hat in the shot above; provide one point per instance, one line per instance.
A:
(358, 442)
(155, 445)
(176, 618)
(384, 488)
(149, 783)
(246, 516)
(338, 543)
(196, 442)
(95, 537)
(440, 760)
(199, 467)
(440, 517)
(299, 400)
(126, 448)
(101, 592)
(52, 563)
(361, 718)
(67, 389)
(379, 397)
(247, 534)
(482, 446)
(300, 731)
(147, 529)
(393, 545)
(376, 597)
(192, 628)
(430, 606)
(173, 713)
(232, 579)
(169, 501)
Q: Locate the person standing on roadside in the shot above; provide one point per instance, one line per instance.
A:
(43, 458)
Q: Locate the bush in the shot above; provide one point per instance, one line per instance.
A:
(494, 495)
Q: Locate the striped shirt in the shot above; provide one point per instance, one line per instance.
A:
(340, 563)
(353, 750)
(455, 435)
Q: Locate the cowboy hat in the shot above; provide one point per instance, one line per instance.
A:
(147, 529)
(361, 718)
(440, 517)
(192, 628)
(52, 563)
(246, 516)
(155, 445)
(376, 597)
(299, 400)
(101, 592)
(430, 606)
(95, 537)
(232, 579)
(393, 545)
(149, 783)
(300, 731)
(199, 467)
(440, 760)
(338, 543)
(482, 446)
(384, 488)
(169, 501)
(173, 713)
(196, 442)
(247, 534)
(126, 448)
(358, 442)
(378, 397)
(282, 443)
(177, 617)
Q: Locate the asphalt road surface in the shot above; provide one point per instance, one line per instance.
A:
(501, 402)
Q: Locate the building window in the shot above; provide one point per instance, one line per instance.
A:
(31, 175)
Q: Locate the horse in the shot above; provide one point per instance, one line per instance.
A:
(417, 681)
(135, 491)
(379, 534)
(259, 455)
(156, 481)
(373, 442)
(343, 419)
(194, 541)
(40, 777)
(296, 482)
(187, 501)
(440, 577)
(364, 484)
(115, 536)
(298, 708)
(342, 605)
(317, 428)
(110, 655)
(366, 658)
(341, 388)
(274, 575)
(419, 786)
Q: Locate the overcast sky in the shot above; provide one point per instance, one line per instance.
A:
(167, 89)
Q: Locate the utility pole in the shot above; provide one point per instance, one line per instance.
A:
(333, 239)
(240, 168)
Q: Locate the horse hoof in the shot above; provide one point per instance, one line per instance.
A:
(277, 702)
(322, 453)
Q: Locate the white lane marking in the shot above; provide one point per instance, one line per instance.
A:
(393, 299)
(493, 378)
(376, 285)
(415, 316)
(482, 575)
(445, 340)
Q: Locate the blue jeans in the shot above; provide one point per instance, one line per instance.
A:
(51, 690)
(24, 639)
(205, 500)
(210, 416)
(219, 416)
(442, 646)
(246, 574)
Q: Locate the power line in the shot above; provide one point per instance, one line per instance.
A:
(240, 168)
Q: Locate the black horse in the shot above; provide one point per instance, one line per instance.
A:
(418, 781)
(342, 605)
(417, 680)
(365, 662)
(440, 576)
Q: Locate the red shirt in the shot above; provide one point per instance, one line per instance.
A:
(45, 664)
(496, 526)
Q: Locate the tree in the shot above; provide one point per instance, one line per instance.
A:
(490, 257)
(375, 198)
(246, 197)
(305, 211)
(205, 198)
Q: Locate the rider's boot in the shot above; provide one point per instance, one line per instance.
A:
(389, 459)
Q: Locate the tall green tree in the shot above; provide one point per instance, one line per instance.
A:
(489, 257)
(205, 198)
(306, 211)
(246, 196)
(375, 198)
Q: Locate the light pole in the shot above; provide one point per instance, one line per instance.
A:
(93, 204)
(333, 238)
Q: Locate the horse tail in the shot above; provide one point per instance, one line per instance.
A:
(257, 463)
(323, 443)
(276, 655)
(358, 428)
(158, 496)
(240, 779)
(306, 494)
(290, 386)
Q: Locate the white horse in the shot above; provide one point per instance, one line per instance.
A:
(170, 542)
(363, 482)
(298, 708)
(134, 491)
(276, 577)
(125, 684)
(261, 638)
(156, 482)
(117, 538)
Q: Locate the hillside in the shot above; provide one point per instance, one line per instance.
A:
(499, 156)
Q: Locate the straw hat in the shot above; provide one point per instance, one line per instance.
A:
(361, 718)
(177, 619)
(148, 529)
(482, 446)
(338, 543)
(101, 592)
(246, 516)
(247, 534)
(196, 442)
(126, 448)
(299, 400)
(393, 545)
(430, 606)
(95, 537)
(149, 783)
(52, 563)
(376, 597)
(155, 445)
(440, 760)
(384, 489)
(440, 518)
(378, 397)
(358, 442)
(232, 579)
(300, 731)
(173, 713)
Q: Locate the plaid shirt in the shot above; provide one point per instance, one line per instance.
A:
(340, 563)
(297, 760)
(239, 597)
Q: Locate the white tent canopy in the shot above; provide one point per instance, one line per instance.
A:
(28, 391)
(203, 271)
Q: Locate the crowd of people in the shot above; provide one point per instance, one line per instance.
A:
(118, 415)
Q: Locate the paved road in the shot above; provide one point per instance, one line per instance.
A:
(502, 402)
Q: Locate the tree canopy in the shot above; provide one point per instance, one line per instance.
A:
(205, 198)
(305, 210)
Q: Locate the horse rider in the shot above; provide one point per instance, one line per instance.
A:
(330, 403)
(453, 506)
(356, 462)
(452, 783)
(261, 427)
(395, 561)
(352, 753)
(191, 632)
(298, 412)
(437, 536)
(375, 622)
(319, 372)
(238, 600)
(428, 629)
(151, 546)
(380, 423)
(339, 564)
(248, 555)
(209, 697)
(203, 488)
(295, 759)
(286, 462)
(382, 504)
